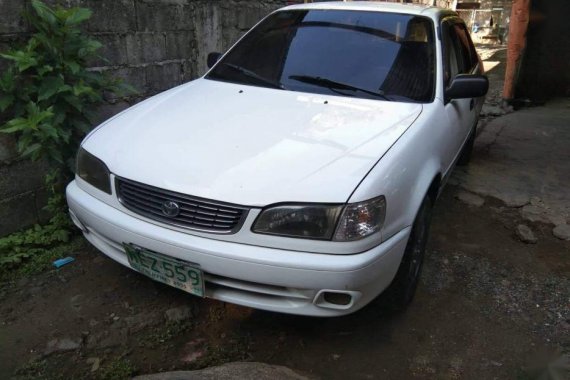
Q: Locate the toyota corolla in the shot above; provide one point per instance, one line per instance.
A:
(299, 173)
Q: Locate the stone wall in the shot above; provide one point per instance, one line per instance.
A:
(152, 44)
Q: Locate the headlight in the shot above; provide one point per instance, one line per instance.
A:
(361, 219)
(93, 170)
(301, 221)
(357, 220)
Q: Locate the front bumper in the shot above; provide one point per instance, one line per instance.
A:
(259, 277)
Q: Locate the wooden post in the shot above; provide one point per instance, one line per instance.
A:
(520, 15)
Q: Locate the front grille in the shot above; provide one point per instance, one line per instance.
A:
(193, 213)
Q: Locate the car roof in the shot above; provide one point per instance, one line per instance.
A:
(377, 6)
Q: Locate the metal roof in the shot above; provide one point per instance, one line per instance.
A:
(377, 6)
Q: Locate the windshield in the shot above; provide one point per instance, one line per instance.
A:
(374, 55)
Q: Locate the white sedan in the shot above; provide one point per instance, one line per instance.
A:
(298, 175)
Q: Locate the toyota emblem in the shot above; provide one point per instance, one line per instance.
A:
(170, 209)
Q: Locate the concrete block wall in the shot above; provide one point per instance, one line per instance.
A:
(152, 44)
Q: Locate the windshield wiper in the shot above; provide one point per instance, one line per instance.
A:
(331, 84)
(251, 74)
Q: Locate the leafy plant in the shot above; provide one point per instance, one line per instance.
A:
(48, 92)
(48, 97)
(118, 369)
(22, 245)
(39, 242)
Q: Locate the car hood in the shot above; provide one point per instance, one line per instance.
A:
(250, 145)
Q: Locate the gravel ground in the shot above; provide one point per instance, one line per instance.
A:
(488, 306)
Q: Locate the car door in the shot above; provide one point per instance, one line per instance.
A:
(471, 65)
(461, 113)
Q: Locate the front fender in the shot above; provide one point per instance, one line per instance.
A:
(404, 175)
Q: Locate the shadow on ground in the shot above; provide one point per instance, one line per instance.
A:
(489, 306)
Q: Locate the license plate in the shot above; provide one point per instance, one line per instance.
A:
(173, 272)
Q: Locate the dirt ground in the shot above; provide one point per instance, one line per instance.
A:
(489, 306)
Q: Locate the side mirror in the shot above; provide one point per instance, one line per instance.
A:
(467, 86)
(213, 58)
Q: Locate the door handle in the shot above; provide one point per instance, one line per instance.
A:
(471, 104)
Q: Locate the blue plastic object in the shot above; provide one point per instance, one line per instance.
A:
(61, 262)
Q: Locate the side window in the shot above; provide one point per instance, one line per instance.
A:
(452, 54)
(468, 52)
(459, 53)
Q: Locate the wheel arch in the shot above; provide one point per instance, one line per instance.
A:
(427, 184)
(434, 188)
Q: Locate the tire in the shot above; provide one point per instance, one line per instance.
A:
(402, 289)
(465, 156)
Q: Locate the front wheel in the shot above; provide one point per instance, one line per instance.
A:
(402, 289)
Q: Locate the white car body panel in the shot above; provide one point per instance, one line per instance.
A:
(264, 278)
(208, 138)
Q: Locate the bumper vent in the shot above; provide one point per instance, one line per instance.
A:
(180, 210)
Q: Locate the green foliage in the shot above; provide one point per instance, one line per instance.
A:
(38, 240)
(118, 369)
(48, 93)
(16, 247)
(47, 96)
